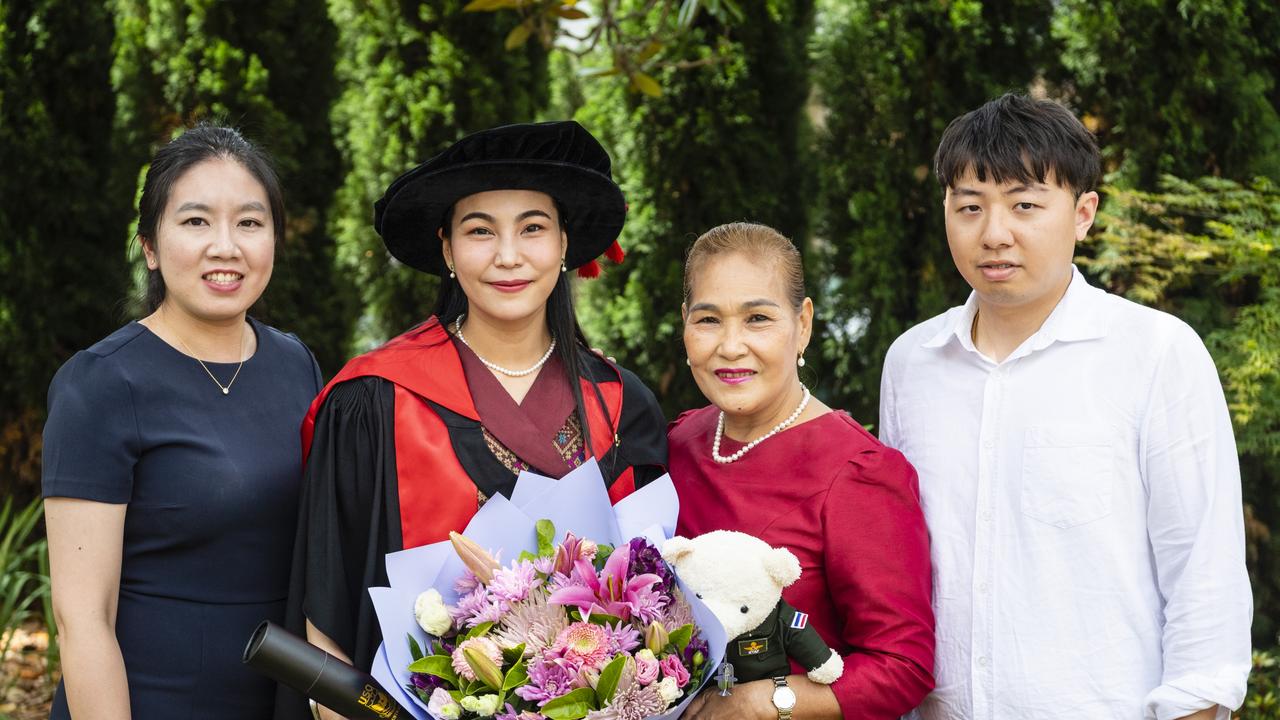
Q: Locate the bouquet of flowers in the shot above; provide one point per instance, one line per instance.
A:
(586, 621)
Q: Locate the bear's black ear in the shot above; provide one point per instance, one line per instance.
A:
(782, 566)
(676, 549)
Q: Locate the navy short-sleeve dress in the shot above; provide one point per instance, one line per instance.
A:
(211, 482)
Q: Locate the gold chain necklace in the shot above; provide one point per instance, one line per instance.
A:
(226, 389)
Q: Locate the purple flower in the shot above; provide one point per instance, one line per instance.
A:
(646, 559)
(614, 591)
(548, 679)
(697, 645)
(424, 682)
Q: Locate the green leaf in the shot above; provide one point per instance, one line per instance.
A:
(415, 650)
(546, 537)
(439, 665)
(478, 631)
(646, 84)
(510, 656)
(515, 677)
(681, 636)
(604, 619)
(572, 706)
(609, 677)
(519, 35)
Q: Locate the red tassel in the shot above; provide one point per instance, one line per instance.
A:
(615, 253)
(590, 270)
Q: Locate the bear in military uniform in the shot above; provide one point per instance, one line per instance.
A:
(740, 578)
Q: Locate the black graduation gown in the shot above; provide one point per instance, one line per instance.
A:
(350, 512)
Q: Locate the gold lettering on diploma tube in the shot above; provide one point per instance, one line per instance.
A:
(376, 700)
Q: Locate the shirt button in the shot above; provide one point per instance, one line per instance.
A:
(988, 443)
(983, 661)
(982, 588)
(986, 516)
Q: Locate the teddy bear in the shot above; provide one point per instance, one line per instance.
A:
(740, 578)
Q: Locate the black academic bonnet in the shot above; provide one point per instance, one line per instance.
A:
(560, 159)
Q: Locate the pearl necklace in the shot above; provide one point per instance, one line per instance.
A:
(725, 460)
(457, 330)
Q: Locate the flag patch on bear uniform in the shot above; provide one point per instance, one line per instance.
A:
(799, 621)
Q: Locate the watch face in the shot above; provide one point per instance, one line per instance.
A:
(784, 698)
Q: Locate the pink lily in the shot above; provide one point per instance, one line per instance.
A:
(611, 592)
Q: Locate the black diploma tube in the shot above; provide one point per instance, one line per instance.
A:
(296, 663)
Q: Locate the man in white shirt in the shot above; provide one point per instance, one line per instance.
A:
(1077, 465)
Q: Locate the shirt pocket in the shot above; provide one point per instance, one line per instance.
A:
(1068, 471)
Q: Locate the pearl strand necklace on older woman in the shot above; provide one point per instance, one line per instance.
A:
(457, 330)
(726, 459)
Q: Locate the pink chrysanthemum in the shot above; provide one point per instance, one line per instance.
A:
(623, 638)
(477, 607)
(583, 644)
(548, 679)
(486, 647)
(513, 584)
(466, 582)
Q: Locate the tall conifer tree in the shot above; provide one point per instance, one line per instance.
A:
(267, 69)
(61, 217)
(891, 75)
(415, 78)
(725, 141)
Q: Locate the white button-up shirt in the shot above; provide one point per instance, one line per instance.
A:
(1083, 501)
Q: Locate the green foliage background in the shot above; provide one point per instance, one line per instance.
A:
(816, 116)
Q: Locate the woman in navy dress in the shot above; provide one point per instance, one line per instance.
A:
(172, 456)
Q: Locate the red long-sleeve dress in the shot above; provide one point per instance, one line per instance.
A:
(849, 508)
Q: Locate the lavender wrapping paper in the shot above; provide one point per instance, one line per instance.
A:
(577, 503)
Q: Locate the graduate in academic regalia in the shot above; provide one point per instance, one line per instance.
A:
(408, 440)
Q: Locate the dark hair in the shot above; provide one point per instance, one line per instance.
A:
(195, 145)
(759, 243)
(1017, 138)
(562, 322)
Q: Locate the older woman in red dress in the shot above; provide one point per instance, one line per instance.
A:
(769, 459)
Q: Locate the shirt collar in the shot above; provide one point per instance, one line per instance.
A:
(1076, 317)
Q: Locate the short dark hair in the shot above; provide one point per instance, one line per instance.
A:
(1017, 138)
(204, 141)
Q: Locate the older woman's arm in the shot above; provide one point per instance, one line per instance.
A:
(85, 544)
(878, 573)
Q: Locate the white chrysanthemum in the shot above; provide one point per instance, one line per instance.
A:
(532, 622)
(431, 613)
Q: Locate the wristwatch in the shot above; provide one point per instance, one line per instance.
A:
(784, 698)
